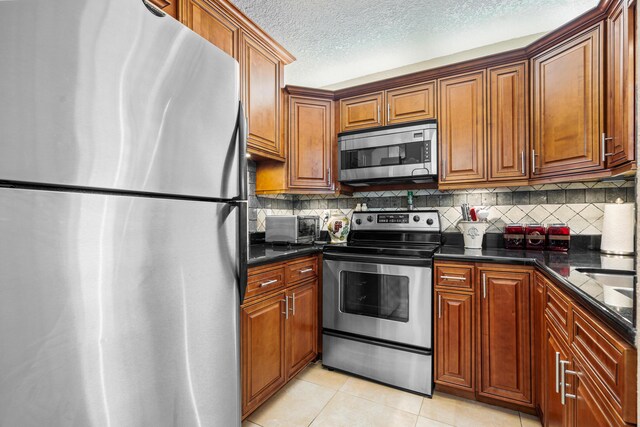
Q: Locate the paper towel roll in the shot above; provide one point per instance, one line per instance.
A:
(618, 229)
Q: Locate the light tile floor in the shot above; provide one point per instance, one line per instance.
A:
(319, 397)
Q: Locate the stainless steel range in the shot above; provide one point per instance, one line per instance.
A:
(377, 299)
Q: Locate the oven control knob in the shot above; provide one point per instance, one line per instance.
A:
(416, 218)
(370, 218)
(358, 221)
(430, 221)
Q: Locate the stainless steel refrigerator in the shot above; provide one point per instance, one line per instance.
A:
(122, 219)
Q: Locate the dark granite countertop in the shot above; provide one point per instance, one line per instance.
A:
(267, 253)
(562, 267)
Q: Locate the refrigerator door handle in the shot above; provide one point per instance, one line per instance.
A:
(242, 154)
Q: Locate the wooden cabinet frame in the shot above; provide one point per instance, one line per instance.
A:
(279, 328)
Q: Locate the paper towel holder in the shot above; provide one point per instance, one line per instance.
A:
(615, 242)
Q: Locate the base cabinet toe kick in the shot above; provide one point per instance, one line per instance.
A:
(509, 335)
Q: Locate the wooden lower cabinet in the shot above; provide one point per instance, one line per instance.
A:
(505, 338)
(454, 339)
(278, 330)
(262, 347)
(555, 414)
(301, 327)
(503, 334)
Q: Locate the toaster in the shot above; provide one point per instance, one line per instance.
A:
(297, 229)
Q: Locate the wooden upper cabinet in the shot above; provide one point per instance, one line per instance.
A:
(262, 350)
(411, 103)
(168, 6)
(619, 138)
(311, 133)
(454, 346)
(261, 84)
(567, 106)
(212, 24)
(361, 112)
(461, 117)
(508, 122)
(302, 327)
(505, 340)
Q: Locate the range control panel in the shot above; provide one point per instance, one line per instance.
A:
(396, 220)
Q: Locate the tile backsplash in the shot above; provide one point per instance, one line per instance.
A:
(581, 205)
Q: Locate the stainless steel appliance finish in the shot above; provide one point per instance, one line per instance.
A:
(398, 153)
(369, 276)
(377, 298)
(123, 219)
(299, 229)
(393, 365)
(107, 95)
(117, 311)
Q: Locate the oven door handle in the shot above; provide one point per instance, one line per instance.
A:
(378, 259)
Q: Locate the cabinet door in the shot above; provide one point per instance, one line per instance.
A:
(209, 22)
(454, 340)
(302, 327)
(567, 106)
(589, 407)
(505, 342)
(262, 348)
(619, 142)
(462, 128)
(261, 88)
(412, 103)
(555, 350)
(361, 112)
(508, 122)
(168, 6)
(538, 305)
(310, 149)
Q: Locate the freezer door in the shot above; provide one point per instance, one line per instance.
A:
(105, 94)
(117, 311)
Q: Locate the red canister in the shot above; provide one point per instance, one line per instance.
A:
(514, 236)
(535, 236)
(558, 237)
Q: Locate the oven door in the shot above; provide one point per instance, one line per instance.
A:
(378, 298)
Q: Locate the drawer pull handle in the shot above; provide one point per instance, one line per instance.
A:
(306, 270)
(268, 282)
(563, 383)
(462, 279)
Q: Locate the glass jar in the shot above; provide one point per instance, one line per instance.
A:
(514, 236)
(535, 236)
(558, 237)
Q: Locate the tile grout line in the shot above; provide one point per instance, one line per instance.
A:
(325, 405)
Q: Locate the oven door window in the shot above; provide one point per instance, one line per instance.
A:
(375, 295)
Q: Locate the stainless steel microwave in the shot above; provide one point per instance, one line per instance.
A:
(396, 153)
(292, 229)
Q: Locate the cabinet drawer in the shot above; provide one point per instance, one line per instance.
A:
(610, 361)
(265, 280)
(454, 276)
(301, 270)
(557, 308)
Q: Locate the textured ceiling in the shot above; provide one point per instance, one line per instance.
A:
(335, 40)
